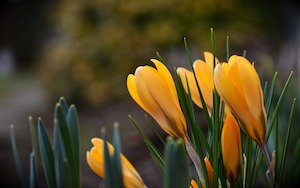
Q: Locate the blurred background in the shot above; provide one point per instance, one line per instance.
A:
(84, 50)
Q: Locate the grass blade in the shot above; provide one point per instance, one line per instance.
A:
(278, 105)
(17, 158)
(33, 172)
(117, 156)
(153, 150)
(286, 142)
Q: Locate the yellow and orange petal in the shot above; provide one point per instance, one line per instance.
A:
(154, 90)
(95, 159)
(231, 148)
(210, 171)
(238, 84)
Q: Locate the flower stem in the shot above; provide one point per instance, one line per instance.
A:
(195, 158)
(270, 171)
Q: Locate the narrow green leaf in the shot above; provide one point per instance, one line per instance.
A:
(153, 150)
(110, 180)
(47, 154)
(270, 95)
(213, 46)
(17, 158)
(277, 150)
(155, 130)
(33, 172)
(62, 172)
(34, 144)
(227, 49)
(244, 53)
(196, 132)
(286, 142)
(292, 172)
(275, 113)
(206, 114)
(249, 156)
(265, 87)
(117, 156)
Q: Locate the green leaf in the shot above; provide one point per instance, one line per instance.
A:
(64, 105)
(207, 117)
(275, 113)
(63, 175)
(17, 158)
(155, 130)
(286, 142)
(110, 179)
(153, 150)
(33, 172)
(292, 172)
(270, 95)
(176, 171)
(227, 49)
(117, 156)
(73, 127)
(61, 124)
(47, 154)
(34, 145)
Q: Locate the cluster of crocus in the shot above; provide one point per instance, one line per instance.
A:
(236, 82)
(95, 159)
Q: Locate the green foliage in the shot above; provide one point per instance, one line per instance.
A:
(61, 161)
(176, 170)
(113, 167)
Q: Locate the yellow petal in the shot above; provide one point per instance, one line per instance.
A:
(133, 92)
(156, 96)
(205, 79)
(250, 85)
(95, 162)
(210, 171)
(95, 159)
(230, 94)
(188, 79)
(231, 148)
(209, 59)
(167, 77)
(241, 90)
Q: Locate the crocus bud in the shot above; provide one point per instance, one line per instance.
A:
(95, 159)
(204, 75)
(231, 148)
(239, 86)
(154, 90)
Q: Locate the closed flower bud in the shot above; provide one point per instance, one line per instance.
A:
(238, 84)
(231, 148)
(154, 90)
(95, 159)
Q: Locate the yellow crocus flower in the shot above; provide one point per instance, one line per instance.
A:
(95, 159)
(238, 84)
(154, 90)
(204, 75)
(231, 148)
